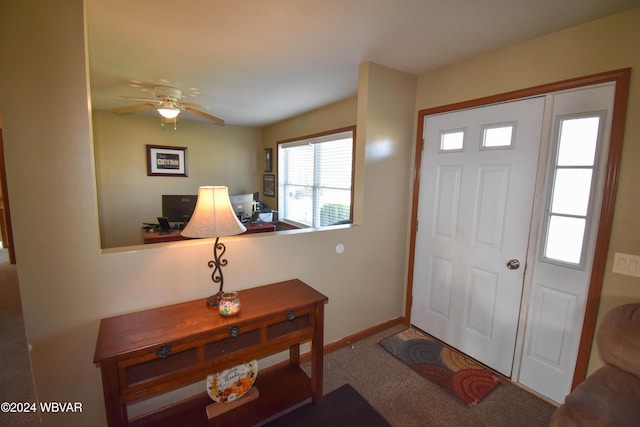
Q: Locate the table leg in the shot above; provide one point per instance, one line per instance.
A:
(116, 411)
(317, 356)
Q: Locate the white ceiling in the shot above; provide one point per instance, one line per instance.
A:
(254, 62)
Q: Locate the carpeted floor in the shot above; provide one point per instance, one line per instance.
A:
(405, 399)
(16, 380)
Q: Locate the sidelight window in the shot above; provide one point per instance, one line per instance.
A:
(572, 179)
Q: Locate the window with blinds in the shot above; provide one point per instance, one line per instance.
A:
(315, 179)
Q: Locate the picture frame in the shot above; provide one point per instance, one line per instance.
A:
(268, 155)
(164, 160)
(269, 185)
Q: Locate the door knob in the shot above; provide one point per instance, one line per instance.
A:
(513, 264)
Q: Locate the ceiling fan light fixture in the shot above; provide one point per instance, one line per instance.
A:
(168, 105)
(168, 111)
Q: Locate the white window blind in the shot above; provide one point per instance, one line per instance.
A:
(315, 180)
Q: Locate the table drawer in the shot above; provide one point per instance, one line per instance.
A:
(160, 366)
(292, 322)
(181, 361)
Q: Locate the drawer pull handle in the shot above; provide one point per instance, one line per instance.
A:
(234, 331)
(164, 351)
(291, 315)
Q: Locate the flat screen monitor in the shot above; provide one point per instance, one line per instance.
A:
(242, 205)
(178, 208)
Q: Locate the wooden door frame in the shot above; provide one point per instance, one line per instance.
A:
(8, 239)
(622, 79)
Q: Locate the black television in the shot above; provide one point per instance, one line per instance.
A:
(178, 208)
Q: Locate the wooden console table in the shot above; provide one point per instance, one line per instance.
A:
(150, 352)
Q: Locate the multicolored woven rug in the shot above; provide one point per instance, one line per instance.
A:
(461, 376)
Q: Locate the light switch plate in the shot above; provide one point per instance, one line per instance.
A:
(626, 264)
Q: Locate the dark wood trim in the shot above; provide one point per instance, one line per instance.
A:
(347, 341)
(622, 79)
(414, 214)
(610, 190)
(318, 134)
(8, 239)
(610, 76)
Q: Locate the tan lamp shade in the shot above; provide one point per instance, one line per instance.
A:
(213, 215)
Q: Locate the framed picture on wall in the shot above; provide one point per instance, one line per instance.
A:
(267, 159)
(166, 161)
(269, 185)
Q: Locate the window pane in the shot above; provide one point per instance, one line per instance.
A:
(497, 136)
(571, 191)
(298, 163)
(578, 138)
(298, 203)
(564, 239)
(335, 206)
(334, 163)
(451, 140)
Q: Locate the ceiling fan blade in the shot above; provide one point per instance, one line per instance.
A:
(205, 115)
(133, 98)
(192, 104)
(133, 108)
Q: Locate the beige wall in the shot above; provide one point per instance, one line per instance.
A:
(127, 197)
(337, 115)
(602, 45)
(68, 283)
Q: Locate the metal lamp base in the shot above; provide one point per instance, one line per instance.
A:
(214, 300)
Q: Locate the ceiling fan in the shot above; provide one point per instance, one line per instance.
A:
(168, 105)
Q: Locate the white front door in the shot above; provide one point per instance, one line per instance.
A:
(474, 214)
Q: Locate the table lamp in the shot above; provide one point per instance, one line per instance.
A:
(214, 217)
